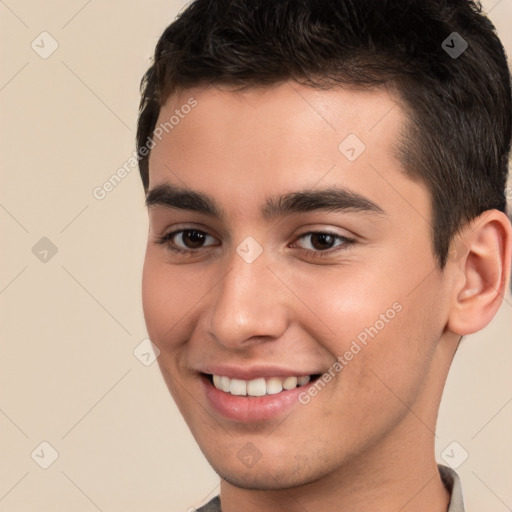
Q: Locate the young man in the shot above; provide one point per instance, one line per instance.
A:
(325, 183)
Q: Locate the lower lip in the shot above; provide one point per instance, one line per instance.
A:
(250, 408)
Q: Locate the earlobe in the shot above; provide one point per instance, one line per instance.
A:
(481, 274)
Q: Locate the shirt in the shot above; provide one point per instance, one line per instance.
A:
(448, 476)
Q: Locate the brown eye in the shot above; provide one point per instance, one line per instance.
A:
(193, 239)
(186, 240)
(322, 241)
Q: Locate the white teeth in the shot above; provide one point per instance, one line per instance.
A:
(238, 387)
(274, 385)
(290, 383)
(217, 381)
(225, 384)
(259, 386)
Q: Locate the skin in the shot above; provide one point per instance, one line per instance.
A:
(366, 441)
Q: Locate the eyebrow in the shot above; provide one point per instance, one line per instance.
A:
(301, 201)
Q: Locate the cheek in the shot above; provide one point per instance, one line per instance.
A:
(385, 334)
(154, 298)
(163, 298)
(353, 305)
(171, 296)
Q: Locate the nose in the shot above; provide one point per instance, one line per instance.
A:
(249, 304)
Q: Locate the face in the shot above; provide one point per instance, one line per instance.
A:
(303, 253)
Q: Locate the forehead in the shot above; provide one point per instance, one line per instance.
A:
(275, 119)
(242, 146)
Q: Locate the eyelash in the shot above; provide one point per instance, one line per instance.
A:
(347, 242)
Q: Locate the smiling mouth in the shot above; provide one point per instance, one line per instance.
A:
(260, 386)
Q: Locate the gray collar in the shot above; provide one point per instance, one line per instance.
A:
(452, 483)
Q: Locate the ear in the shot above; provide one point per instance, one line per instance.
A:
(479, 262)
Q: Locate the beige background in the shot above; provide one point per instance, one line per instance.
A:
(69, 326)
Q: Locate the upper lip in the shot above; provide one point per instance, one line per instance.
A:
(253, 372)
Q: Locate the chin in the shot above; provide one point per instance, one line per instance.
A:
(269, 475)
(262, 481)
